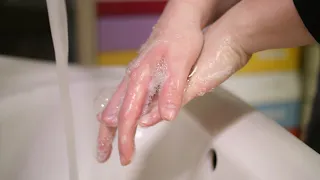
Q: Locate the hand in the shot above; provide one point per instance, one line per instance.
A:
(248, 27)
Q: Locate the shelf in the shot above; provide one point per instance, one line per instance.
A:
(130, 8)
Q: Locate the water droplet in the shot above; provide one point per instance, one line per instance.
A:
(201, 93)
(192, 71)
(133, 65)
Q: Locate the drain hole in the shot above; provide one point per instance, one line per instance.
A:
(213, 156)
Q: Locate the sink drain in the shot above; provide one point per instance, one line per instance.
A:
(213, 157)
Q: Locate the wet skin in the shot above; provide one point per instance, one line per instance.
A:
(158, 83)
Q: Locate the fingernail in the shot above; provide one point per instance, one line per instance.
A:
(169, 112)
(143, 125)
(110, 117)
(102, 153)
(144, 121)
(112, 122)
(148, 120)
(103, 150)
(123, 160)
(101, 156)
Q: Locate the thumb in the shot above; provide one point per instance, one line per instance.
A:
(222, 55)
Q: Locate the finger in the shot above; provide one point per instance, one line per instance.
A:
(150, 104)
(105, 139)
(131, 111)
(170, 97)
(110, 114)
(151, 118)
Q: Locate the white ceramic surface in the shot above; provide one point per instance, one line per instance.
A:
(32, 146)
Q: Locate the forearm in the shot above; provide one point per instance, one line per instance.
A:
(310, 15)
(268, 24)
(197, 12)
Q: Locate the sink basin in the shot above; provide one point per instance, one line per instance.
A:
(216, 137)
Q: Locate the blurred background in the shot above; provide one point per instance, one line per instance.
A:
(281, 83)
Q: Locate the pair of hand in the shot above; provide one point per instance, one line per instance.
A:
(181, 60)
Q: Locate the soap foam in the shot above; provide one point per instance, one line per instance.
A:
(159, 76)
(101, 101)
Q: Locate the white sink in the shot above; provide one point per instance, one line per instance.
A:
(248, 146)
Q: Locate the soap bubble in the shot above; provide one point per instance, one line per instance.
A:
(102, 99)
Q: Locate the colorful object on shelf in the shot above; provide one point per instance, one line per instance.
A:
(130, 8)
(289, 60)
(119, 33)
(126, 25)
(274, 60)
(119, 58)
(295, 131)
(275, 94)
(286, 114)
(126, 33)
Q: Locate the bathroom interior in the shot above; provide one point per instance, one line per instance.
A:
(261, 129)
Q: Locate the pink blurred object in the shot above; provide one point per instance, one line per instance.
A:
(124, 32)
